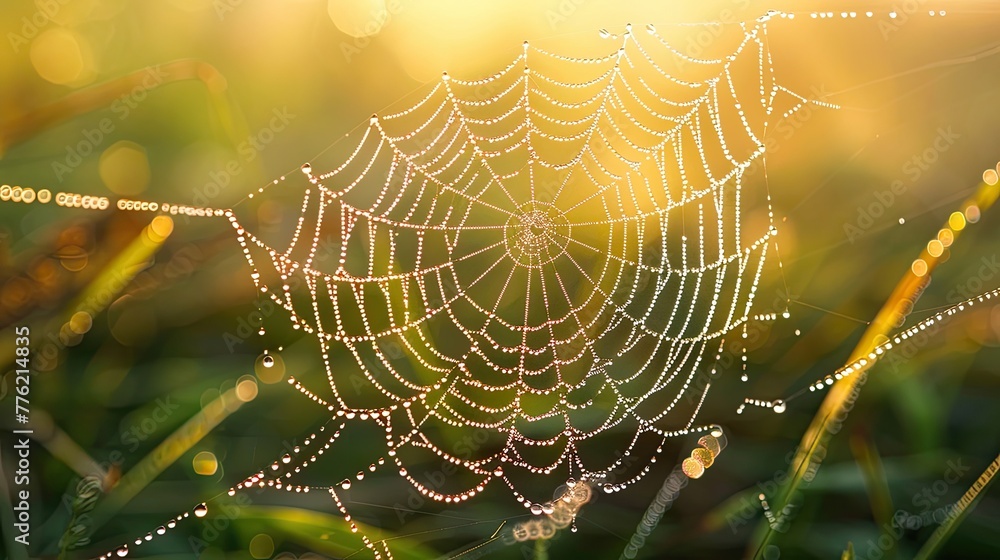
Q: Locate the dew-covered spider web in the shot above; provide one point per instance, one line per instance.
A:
(558, 248)
(558, 251)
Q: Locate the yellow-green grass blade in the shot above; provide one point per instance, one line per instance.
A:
(962, 508)
(844, 393)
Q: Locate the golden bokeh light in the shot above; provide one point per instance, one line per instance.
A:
(703, 456)
(73, 258)
(692, 468)
(124, 168)
(246, 388)
(205, 463)
(956, 221)
(946, 237)
(919, 267)
(62, 57)
(711, 443)
(261, 546)
(972, 214)
(80, 322)
(160, 229)
(990, 176)
(935, 248)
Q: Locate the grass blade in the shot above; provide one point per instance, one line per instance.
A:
(101, 96)
(327, 533)
(872, 470)
(844, 393)
(963, 507)
(164, 455)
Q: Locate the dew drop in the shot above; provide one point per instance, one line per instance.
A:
(286, 458)
(268, 361)
(536, 509)
(306, 168)
(161, 530)
(779, 406)
(201, 510)
(122, 551)
(346, 484)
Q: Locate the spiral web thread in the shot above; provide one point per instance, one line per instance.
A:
(557, 249)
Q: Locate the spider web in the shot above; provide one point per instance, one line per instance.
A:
(558, 250)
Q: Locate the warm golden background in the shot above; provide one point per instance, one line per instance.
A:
(300, 74)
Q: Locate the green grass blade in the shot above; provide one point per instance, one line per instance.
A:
(327, 533)
(963, 507)
(873, 471)
(164, 455)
